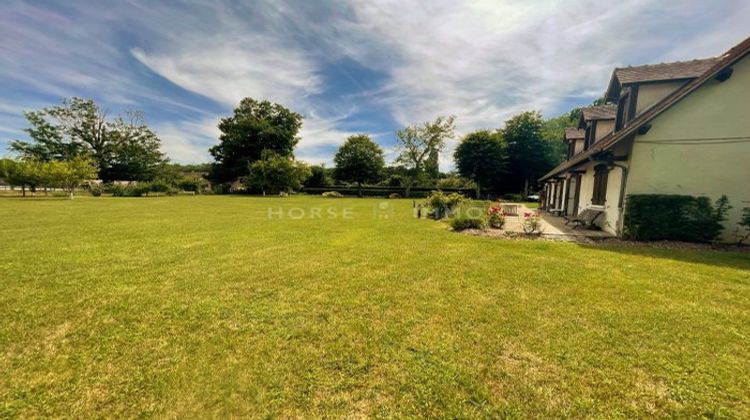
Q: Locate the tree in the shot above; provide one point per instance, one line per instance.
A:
(319, 177)
(275, 173)
(359, 160)
(69, 174)
(25, 174)
(481, 157)
(123, 148)
(416, 144)
(528, 153)
(255, 127)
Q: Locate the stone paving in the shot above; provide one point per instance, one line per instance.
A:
(552, 226)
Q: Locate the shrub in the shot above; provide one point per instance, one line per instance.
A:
(514, 198)
(495, 217)
(96, 190)
(332, 194)
(532, 223)
(442, 205)
(743, 231)
(116, 190)
(394, 195)
(158, 187)
(654, 217)
(193, 183)
(469, 217)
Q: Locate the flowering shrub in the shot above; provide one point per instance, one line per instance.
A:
(532, 223)
(495, 217)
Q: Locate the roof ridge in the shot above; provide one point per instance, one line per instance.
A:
(667, 63)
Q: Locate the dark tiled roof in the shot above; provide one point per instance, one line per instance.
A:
(599, 112)
(664, 71)
(726, 60)
(574, 133)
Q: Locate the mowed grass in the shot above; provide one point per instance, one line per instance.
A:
(175, 306)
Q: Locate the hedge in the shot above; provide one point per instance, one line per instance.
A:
(384, 191)
(654, 217)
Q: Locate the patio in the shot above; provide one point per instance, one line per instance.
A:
(553, 227)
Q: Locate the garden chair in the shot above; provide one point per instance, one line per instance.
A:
(586, 218)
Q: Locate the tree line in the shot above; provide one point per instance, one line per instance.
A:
(256, 149)
(78, 141)
(255, 152)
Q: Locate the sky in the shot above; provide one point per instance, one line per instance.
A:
(348, 66)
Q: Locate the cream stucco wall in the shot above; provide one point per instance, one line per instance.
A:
(604, 127)
(703, 146)
(578, 148)
(650, 93)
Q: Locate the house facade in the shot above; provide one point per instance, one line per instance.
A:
(676, 128)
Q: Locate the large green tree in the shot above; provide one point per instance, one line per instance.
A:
(273, 173)
(359, 160)
(419, 147)
(255, 127)
(123, 148)
(529, 154)
(481, 157)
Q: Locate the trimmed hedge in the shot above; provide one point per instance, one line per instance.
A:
(382, 191)
(656, 217)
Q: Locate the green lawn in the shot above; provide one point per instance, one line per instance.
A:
(172, 306)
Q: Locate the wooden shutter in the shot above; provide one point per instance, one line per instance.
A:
(601, 173)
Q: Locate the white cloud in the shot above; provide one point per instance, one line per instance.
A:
(188, 142)
(481, 60)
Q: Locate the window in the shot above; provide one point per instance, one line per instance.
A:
(601, 172)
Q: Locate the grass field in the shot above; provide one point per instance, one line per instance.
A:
(172, 306)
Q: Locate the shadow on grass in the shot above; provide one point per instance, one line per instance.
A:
(729, 258)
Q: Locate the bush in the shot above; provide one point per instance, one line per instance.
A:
(442, 205)
(194, 184)
(514, 198)
(332, 194)
(469, 217)
(532, 223)
(394, 195)
(158, 187)
(654, 217)
(96, 190)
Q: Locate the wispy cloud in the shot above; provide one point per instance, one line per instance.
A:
(349, 66)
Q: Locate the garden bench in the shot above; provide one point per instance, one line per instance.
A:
(510, 209)
(586, 218)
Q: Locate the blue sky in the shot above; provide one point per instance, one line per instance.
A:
(347, 66)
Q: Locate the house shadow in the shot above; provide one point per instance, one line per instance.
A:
(728, 257)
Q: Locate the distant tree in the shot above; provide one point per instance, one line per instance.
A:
(123, 148)
(417, 143)
(481, 157)
(319, 177)
(453, 181)
(529, 156)
(27, 174)
(255, 127)
(69, 174)
(274, 173)
(359, 160)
